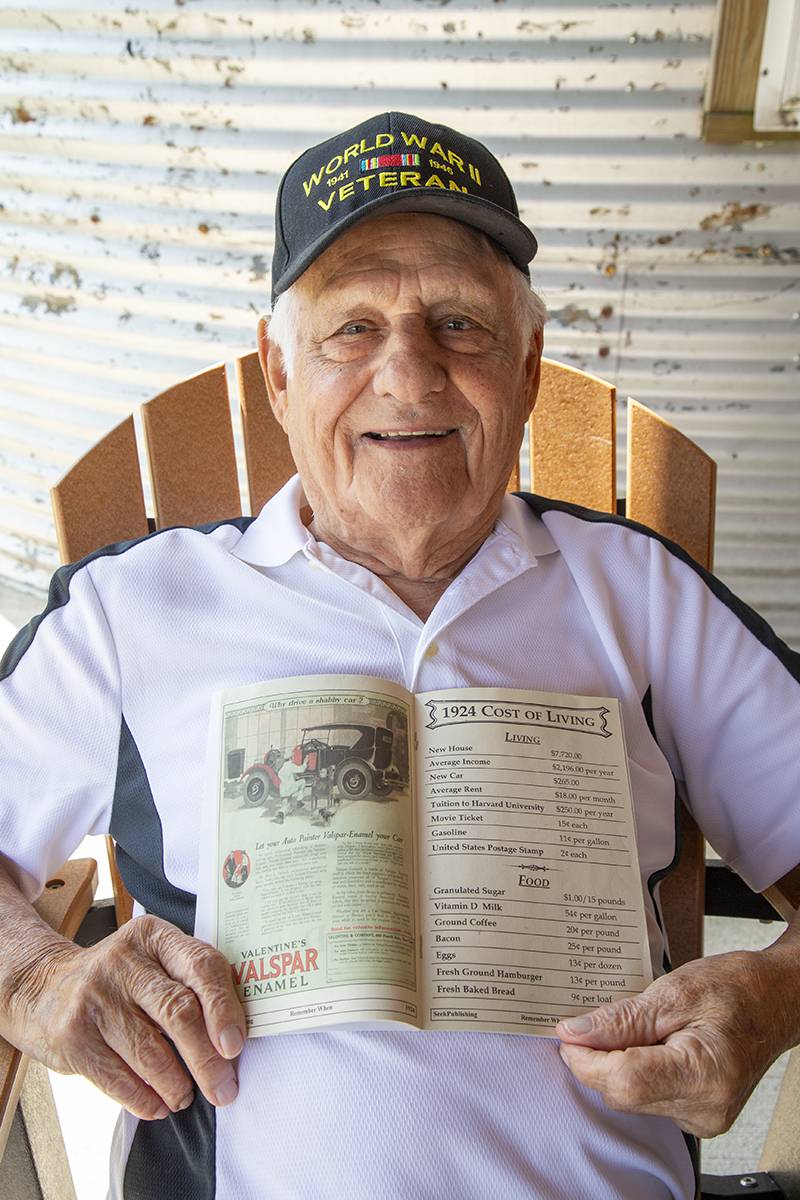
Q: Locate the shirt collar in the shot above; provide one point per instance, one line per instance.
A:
(278, 533)
(524, 529)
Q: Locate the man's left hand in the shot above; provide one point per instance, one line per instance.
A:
(694, 1044)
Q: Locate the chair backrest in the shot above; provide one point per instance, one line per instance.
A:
(193, 473)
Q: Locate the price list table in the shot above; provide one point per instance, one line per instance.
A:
(532, 902)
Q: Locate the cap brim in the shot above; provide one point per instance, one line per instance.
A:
(506, 230)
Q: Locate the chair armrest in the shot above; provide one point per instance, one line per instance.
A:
(63, 904)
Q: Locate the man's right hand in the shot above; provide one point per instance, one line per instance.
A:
(106, 1012)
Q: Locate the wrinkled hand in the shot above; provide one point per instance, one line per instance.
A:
(692, 1046)
(106, 1012)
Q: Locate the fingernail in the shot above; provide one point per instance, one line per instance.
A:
(578, 1024)
(231, 1041)
(160, 1113)
(226, 1092)
(184, 1103)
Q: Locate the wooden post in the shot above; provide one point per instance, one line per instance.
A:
(35, 1164)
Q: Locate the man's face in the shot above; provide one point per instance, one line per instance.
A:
(410, 384)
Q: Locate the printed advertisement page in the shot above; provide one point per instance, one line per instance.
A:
(314, 903)
(531, 905)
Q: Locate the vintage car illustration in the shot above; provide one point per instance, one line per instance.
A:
(339, 760)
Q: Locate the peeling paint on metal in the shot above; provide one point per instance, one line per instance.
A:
(734, 215)
(60, 269)
(20, 115)
(572, 315)
(259, 268)
(50, 304)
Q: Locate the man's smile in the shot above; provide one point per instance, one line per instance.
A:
(409, 437)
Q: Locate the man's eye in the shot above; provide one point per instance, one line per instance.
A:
(354, 327)
(458, 324)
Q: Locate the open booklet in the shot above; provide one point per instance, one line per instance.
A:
(461, 859)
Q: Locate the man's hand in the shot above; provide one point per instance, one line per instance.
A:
(107, 1012)
(694, 1044)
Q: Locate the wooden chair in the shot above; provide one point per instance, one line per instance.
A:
(32, 1152)
(193, 473)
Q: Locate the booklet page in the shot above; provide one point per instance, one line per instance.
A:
(531, 899)
(314, 902)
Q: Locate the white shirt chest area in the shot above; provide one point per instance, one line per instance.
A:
(513, 618)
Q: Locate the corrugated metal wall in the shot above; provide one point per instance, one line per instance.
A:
(141, 148)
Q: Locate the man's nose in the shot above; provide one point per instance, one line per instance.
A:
(409, 368)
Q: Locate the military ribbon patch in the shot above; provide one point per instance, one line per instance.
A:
(389, 160)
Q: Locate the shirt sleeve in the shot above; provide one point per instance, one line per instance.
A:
(726, 710)
(59, 730)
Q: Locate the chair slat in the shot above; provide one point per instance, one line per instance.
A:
(191, 453)
(573, 438)
(784, 896)
(671, 486)
(266, 447)
(100, 500)
(682, 894)
(781, 1153)
(123, 900)
(671, 483)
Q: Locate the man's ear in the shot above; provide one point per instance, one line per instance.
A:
(533, 369)
(274, 372)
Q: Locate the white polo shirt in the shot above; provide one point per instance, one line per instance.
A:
(104, 704)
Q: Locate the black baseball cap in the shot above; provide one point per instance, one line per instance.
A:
(394, 162)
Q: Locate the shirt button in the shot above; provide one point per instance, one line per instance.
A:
(432, 650)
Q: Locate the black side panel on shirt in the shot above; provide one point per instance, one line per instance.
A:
(748, 616)
(176, 1157)
(647, 708)
(173, 1159)
(136, 828)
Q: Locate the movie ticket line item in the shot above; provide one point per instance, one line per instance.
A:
(462, 859)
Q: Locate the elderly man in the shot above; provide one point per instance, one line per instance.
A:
(402, 360)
